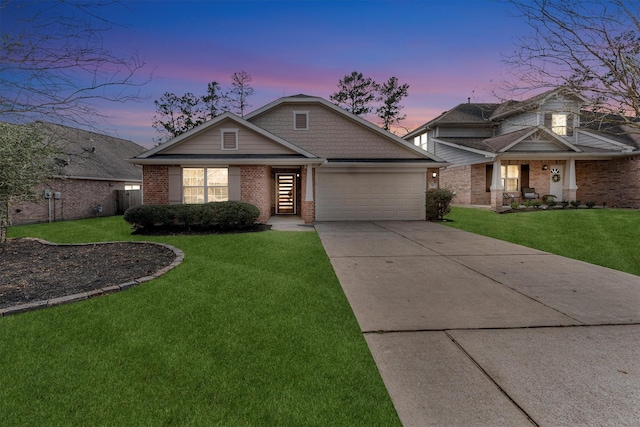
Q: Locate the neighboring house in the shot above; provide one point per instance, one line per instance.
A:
(94, 174)
(546, 144)
(298, 155)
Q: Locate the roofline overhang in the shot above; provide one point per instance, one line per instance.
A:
(462, 147)
(559, 156)
(387, 165)
(203, 162)
(92, 178)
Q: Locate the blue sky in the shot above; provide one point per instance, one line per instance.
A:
(447, 50)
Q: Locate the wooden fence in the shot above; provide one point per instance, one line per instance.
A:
(126, 199)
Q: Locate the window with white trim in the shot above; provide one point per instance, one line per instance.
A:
(560, 123)
(510, 177)
(229, 139)
(203, 185)
(301, 120)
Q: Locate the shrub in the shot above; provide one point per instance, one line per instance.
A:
(590, 204)
(215, 215)
(438, 203)
(575, 203)
(515, 205)
(536, 204)
(527, 203)
(549, 199)
(564, 203)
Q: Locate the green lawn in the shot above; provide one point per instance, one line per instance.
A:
(607, 237)
(250, 330)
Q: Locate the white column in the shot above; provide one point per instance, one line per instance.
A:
(309, 185)
(496, 179)
(571, 175)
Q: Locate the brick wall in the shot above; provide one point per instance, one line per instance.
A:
(307, 209)
(479, 193)
(155, 184)
(79, 198)
(458, 179)
(256, 188)
(615, 182)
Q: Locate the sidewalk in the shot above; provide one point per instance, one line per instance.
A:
(468, 330)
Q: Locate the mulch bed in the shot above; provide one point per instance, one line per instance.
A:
(33, 271)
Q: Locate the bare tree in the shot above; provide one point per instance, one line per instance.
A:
(589, 47)
(240, 91)
(355, 94)
(54, 64)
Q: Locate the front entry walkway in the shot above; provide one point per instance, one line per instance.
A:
(468, 330)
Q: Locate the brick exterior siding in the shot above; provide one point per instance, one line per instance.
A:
(256, 184)
(155, 184)
(615, 182)
(307, 209)
(79, 197)
(458, 179)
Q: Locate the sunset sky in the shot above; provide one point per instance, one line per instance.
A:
(446, 50)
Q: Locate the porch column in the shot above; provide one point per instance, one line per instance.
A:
(496, 186)
(571, 188)
(308, 197)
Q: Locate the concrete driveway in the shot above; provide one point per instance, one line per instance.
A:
(471, 331)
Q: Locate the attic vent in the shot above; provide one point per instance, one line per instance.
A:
(301, 120)
(229, 139)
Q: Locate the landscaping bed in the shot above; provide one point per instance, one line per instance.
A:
(36, 271)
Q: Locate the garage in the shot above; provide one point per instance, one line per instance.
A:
(380, 195)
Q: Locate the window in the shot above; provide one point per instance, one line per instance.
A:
(229, 139)
(301, 120)
(202, 185)
(132, 186)
(510, 177)
(559, 123)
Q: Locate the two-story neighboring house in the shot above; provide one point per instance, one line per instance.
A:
(299, 155)
(545, 145)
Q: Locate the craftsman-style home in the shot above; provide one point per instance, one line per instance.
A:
(299, 155)
(525, 150)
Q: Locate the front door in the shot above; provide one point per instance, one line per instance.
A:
(555, 181)
(285, 193)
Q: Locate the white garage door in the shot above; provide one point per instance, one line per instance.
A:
(346, 196)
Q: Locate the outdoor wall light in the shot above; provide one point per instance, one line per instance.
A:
(545, 167)
(434, 175)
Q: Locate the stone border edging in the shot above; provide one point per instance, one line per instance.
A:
(36, 305)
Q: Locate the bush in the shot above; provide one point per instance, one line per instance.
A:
(215, 215)
(527, 203)
(590, 204)
(438, 203)
(575, 203)
(565, 203)
(536, 204)
(515, 205)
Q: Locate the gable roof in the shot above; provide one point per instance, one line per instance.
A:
(215, 121)
(301, 98)
(92, 155)
(510, 108)
(461, 114)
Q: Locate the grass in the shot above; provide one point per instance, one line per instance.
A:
(250, 330)
(606, 237)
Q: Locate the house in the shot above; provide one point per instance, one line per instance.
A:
(94, 175)
(545, 145)
(299, 155)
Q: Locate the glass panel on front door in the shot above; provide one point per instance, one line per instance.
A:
(285, 193)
